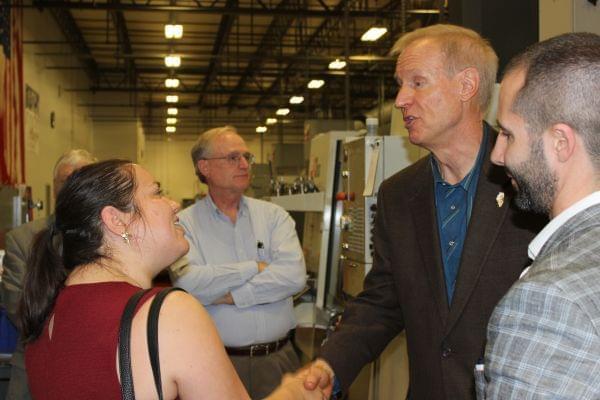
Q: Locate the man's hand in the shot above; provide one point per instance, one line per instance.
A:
(261, 266)
(225, 299)
(292, 388)
(319, 375)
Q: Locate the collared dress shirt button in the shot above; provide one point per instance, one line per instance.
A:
(446, 352)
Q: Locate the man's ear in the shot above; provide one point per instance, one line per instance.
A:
(114, 220)
(563, 140)
(203, 167)
(469, 83)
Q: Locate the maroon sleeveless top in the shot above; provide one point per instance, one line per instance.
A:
(79, 362)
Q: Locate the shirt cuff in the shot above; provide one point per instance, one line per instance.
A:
(247, 270)
(243, 296)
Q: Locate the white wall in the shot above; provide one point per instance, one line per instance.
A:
(73, 126)
(117, 140)
(170, 163)
(562, 16)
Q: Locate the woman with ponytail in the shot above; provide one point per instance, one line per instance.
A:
(113, 233)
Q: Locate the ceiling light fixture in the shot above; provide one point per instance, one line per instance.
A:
(172, 111)
(373, 34)
(171, 121)
(172, 98)
(315, 84)
(173, 31)
(261, 129)
(170, 129)
(283, 111)
(296, 100)
(172, 82)
(337, 64)
(271, 121)
(172, 61)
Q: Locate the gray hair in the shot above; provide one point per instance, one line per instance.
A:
(74, 158)
(562, 85)
(462, 48)
(202, 147)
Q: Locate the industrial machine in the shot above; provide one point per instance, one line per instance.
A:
(367, 161)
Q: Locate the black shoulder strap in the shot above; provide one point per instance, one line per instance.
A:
(152, 332)
(124, 346)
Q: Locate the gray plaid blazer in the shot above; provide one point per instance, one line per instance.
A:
(544, 335)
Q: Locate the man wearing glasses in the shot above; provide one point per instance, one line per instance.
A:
(245, 263)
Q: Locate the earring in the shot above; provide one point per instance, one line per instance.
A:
(125, 236)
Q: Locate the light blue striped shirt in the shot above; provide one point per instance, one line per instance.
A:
(223, 258)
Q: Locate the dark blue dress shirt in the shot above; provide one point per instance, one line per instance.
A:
(453, 204)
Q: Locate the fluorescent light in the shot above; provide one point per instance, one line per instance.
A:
(283, 111)
(172, 111)
(337, 64)
(172, 82)
(171, 121)
(172, 98)
(296, 100)
(173, 31)
(315, 83)
(173, 61)
(373, 34)
(271, 121)
(170, 129)
(261, 129)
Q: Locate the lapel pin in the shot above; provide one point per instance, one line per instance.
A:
(500, 199)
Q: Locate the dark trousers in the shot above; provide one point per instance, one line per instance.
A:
(262, 374)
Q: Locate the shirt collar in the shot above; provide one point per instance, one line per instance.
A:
(465, 183)
(540, 240)
(242, 210)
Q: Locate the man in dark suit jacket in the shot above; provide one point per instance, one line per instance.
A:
(18, 248)
(447, 243)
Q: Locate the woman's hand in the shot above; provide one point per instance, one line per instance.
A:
(293, 387)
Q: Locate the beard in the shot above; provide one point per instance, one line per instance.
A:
(536, 183)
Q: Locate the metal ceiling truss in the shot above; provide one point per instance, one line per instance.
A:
(186, 6)
(274, 33)
(71, 31)
(239, 68)
(225, 27)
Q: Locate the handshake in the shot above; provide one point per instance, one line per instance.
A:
(313, 382)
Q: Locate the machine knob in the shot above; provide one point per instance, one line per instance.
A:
(345, 246)
(345, 173)
(345, 222)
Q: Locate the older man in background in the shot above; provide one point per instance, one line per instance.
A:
(244, 263)
(447, 244)
(18, 244)
(544, 336)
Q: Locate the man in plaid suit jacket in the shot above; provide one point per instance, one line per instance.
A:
(544, 335)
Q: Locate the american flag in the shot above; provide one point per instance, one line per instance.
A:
(12, 130)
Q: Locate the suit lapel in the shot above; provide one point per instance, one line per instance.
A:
(425, 222)
(484, 226)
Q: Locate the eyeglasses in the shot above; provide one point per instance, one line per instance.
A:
(234, 158)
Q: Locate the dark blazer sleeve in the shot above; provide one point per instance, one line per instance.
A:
(12, 276)
(373, 318)
(18, 248)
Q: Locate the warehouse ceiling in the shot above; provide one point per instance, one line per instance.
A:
(241, 60)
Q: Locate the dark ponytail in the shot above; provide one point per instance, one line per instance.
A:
(75, 237)
(45, 276)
